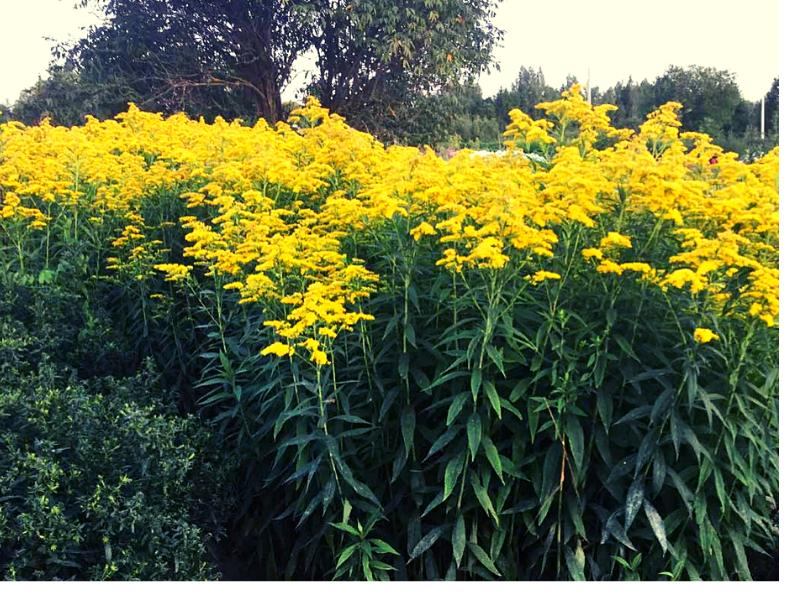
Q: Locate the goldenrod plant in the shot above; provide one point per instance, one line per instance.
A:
(508, 367)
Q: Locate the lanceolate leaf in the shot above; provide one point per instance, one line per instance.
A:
(633, 501)
(451, 473)
(474, 433)
(459, 539)
(659, 471)
(574, 565)
(455, 407)
(575, 435)
(475, 383)
(383, 547)
(426, 542)
(443, 440)
(613, 527)
(407, 424)
(657, 524)
(741, 557)
(683, 490)
(481, 555)
(605, 408)
(494, 458)
(494, 399)
(348, 552)
(483, 497)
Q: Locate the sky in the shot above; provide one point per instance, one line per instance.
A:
(605, 42)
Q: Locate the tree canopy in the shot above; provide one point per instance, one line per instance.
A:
(183, 54)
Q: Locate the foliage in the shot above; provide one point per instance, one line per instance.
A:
(481, 368)
(100, 481)
(708, 96)
(236, 56)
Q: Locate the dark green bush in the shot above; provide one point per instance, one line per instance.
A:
(100, 480)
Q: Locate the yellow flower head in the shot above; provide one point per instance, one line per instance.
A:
(615, 239)
(703, 335)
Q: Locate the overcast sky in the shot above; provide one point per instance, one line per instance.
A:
(611, 40)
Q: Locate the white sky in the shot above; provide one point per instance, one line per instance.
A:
(613, 39)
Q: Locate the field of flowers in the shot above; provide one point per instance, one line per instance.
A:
(500, 367)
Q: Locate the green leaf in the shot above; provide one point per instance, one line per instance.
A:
(408, 422)
(365, 565)
(498, 537)
(483, 498)
(427, 541)
(399, 462)
(574, 564)
(690, 437)
(657, 525)
(519, 389)
(575, 435)
(348, 528)
(523, 506)
(605, 407)
(491, 393)
(551, 470)
(533, 420)
(741, 558)
(691, 384)
(348, 552)
(683, 490)
(676, 431)
(459, 539)
(440, 497)
(484, 559)
(636, 413)
(474, 433)
(383, 548)
(491, 453)
(633, 501)
(659, 471)
(358, 487)
(510, 468)
(661, 403)
(625, 346)
(614, 528)
(443, 440)
(410, 335)
(475, 383)
(497, 357)
(719, 484)
(456, 404)
(646, 449)
(402, 365)
(575, 514)
(451, 473)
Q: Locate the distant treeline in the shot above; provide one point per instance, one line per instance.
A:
(712, 104)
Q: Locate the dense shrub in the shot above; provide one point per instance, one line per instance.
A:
(99, 478)
(464, 369)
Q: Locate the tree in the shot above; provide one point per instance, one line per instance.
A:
(166, 51)
(771, 106)
(173, 53)
(709, 96)
(363, 45)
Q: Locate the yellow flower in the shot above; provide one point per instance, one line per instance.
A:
(279, 349)
(540, 276)
(592, 253)
(609, 266)
(702, 335)
(174, 272)
(423, 229)
(615, 239)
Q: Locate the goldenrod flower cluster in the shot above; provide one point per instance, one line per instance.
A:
(270, 213)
